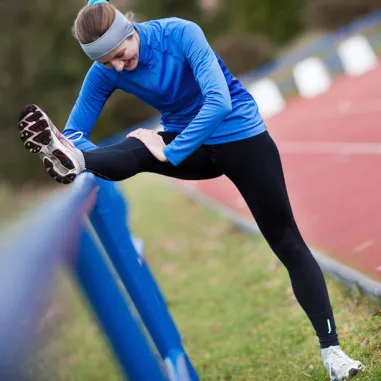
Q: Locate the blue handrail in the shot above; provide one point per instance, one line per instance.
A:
(30, 252)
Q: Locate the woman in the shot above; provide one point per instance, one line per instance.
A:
(212, 127)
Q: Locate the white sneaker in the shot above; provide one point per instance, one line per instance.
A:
(60, 158)
(340, 366)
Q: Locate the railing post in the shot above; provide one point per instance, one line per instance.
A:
(109, 221)
(124, 332)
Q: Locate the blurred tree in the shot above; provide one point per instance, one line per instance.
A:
(149, 9)
(277, 19)
(36, 66)
(330, 14)
(244, 53)
(42, 63)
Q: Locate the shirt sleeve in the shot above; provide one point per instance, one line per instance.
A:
(97, 87)
(217, 102)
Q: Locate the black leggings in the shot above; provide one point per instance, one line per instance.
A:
(254, 166)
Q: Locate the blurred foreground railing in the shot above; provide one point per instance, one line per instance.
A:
(100, 253)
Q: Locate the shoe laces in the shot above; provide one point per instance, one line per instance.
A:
(74, 139)
(337, 357)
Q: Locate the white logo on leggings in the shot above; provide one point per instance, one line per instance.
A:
(329, 326)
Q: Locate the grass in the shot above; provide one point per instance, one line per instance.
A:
(14, 201)
(229, 296)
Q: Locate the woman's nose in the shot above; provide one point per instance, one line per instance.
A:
(118, 65)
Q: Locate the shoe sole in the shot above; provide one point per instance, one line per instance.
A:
(38, 137)
(351, 373)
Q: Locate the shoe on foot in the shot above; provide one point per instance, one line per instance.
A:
(340, 366)
(61, 159)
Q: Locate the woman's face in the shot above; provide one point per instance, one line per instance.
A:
(125, 56)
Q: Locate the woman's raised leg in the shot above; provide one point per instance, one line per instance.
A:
(117, 162)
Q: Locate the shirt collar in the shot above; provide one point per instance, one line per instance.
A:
(145, 51)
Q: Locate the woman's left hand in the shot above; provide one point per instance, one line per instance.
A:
(152, 140)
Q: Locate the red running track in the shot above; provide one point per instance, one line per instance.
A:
(331, 153)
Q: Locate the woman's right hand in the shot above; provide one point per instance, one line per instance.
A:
(152, 140)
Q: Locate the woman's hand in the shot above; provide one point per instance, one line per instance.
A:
(152, 140)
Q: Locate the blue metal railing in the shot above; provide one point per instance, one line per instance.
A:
(30, 253)
(148, 346)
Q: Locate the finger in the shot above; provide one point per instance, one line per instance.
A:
(146, 134)
(144, 131)
(160, 140)
(134, 133)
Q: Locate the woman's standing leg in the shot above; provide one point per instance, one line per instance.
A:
(254, 166)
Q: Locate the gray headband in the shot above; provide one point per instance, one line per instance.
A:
(120, 29)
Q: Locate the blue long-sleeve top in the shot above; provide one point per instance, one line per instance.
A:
(180, 75)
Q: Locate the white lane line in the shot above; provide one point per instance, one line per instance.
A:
(329, 148)
(359, 106)
(334, 110)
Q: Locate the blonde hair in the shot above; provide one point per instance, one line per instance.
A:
(93, 21)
